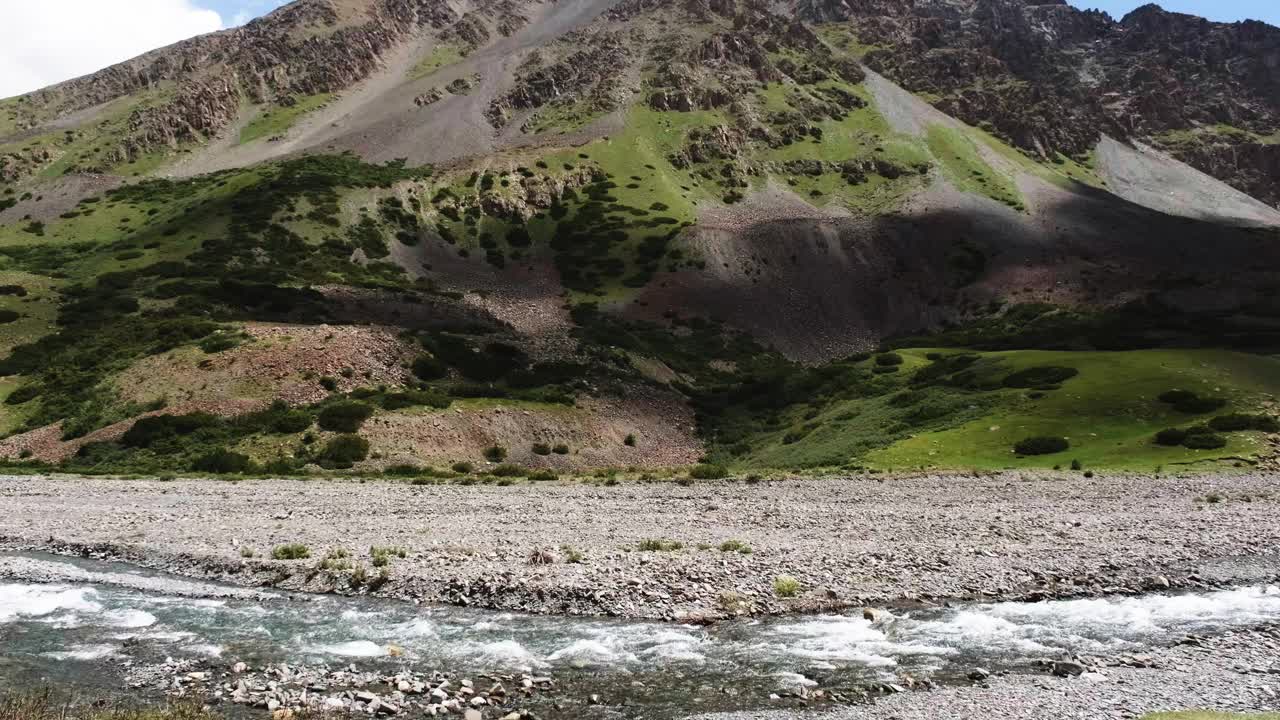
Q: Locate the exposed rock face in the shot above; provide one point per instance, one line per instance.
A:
(591, 74)
(306, 47)
(1051, 78)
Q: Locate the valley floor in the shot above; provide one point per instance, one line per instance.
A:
(576, 548)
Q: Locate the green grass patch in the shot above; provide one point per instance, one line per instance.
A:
(278, 119)
(962, 164)
(1109, 412)
(441, 55)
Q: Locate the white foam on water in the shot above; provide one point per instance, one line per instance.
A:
(586, 652)
(840, 640)
(794, 680)
(502, 653)
(83, 652)
(130, 618)
(419, 628)
(486, 626)
(354, 648)
(30, 601)
(213, 651)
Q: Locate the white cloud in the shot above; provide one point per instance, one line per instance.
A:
(47, 41)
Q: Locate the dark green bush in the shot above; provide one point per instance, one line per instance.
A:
(291, 421)
(8, 316)
(1236, 422)
(1038, 376)
(1171, 437)
(543, 476)
(345, 417)
(708, 471)
(1185, 401)
(509, 470)
(24, 394)
(888, 359)
(1204, 441)
(344, 451)
(495, 453)
(541, 449)
(560, 449)
(1041, 445)
(222, 462)
(151, 430)
(426, 367)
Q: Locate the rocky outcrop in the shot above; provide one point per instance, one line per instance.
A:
(591, 74)
(1053, 79)
(304, 48)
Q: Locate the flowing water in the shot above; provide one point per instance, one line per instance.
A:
(86, 635)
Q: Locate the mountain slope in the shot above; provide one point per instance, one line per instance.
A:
(397, 232)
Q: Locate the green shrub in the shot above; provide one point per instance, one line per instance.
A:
(426, 367)
(1038, 376)
(344, 451)
(888, 359)
(345, 417)
(1185, 401)
(737, 546)
(328, 383)
(708, 471)
(24, 394)
(1171, 437)
(1237, 422)
(148, 431)
(291, 421)
(543, 475)
(495, 453)
(292, 551)
(560, 449)
(509, 470)
(785, 586)
(659, 545)
(629, 440)
(541, 449)
(463, 467)
(222, 462)
(1204, 441)
(1041, 445)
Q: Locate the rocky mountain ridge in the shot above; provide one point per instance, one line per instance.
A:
(1052, 79)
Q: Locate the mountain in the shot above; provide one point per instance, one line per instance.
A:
(399, 234)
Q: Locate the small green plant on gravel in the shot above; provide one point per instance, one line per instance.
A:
(785, 586)
(571, 554)
(541, 449)
(1077, 465)
(291, 551)
(247, 552)
(737, 546)
(1213, 497)
(629, 440)
(381, 556)
(733, 602)
(659, 545)
(463, 468)
(543, 475)
(495, 453)
(560, 449)
(336, 560)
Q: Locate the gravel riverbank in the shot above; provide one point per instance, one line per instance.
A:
(847, 542)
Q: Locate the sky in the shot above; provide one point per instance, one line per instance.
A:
(43, 42)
